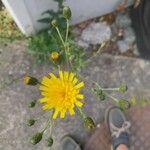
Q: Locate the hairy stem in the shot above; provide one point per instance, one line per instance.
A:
(49, 124)
(108, 95)
(81, 112)
(110, 89)
(60, 36)
(67, 30)
(64, 45)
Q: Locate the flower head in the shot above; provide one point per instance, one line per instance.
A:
(30, 80)
(67, 12)
(54, 55)
(89, 123)
(61, 93)
(36, 138)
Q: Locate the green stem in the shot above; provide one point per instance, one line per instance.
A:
(67, 30)
(70, 63)
(49, 124)
(113, 98)
(81, 113)
(42, 116)
(61, 37)
(110, 89)
(66, 54)
(108, 95)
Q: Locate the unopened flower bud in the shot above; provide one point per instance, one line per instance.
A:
(32, 103)
(30, 80)
(36, 138)
(123, 88)
(89, 123)
(133, 100)
(49, 141)
(31, 122)
(66, 12)
(123, 104)
(54, 23)
(55, 55)
(101, 95)
(94, 90)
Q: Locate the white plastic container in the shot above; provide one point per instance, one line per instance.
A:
(27, 12)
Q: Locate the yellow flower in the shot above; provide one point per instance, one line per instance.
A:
(61, 93)
(55, 55)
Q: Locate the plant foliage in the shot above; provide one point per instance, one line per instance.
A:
(8, 29)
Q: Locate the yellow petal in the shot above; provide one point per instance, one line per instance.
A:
(66, 75)
(52, 76)
(55, 114)
(43, 100)
(72, 112)
(71, 76)
(46, 81)
(79, 104)
(62, 114)
(61, 75)
(45, 107)
(44, 94)
(80, 96)
(80, 85)
(43, 88)
(75, 80)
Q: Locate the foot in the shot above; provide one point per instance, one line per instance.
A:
(68, 143)
(118, 127)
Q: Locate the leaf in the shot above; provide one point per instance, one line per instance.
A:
(45, 20)
(50, 12)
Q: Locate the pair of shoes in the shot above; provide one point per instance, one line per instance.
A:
(118, 127)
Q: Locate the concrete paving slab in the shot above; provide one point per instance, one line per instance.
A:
(108, 70)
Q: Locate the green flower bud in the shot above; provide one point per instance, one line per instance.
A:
(36, 138)
(32, 103)
(30, 80)
(123, 88)
(133, 101)
(49, 141)
(31, 122)
(101, 95)
(123, 104)
(54, 23)
(94, 90)
(67, 12)
(89, 123)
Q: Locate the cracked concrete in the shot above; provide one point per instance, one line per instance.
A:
(108, 70)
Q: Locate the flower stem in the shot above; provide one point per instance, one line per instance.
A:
(108, 95)
(60, 37)
(67, 30)
(110, 89)
(64, 45)
(81, 113)
(66, 40)
(49, 124)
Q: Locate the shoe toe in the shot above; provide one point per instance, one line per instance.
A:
(69, 144)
